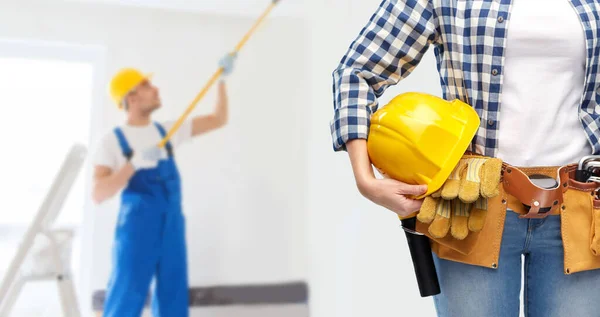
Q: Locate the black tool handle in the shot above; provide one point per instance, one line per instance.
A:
(420, 251)
(582, 175)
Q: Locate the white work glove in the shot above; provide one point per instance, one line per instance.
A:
(147, 158)
(227, 62)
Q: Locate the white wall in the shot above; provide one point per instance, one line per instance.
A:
(248, 8)
(360, 260)
(252, 231)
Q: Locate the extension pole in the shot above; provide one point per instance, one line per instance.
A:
(215, 76)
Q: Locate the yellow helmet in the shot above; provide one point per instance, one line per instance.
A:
(419, 138)
(123, 82)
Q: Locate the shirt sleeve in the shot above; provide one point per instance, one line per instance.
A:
(387, 50)
(183, 133)
(105, 152)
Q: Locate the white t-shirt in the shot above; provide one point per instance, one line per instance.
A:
(543, 84)
(109, 153)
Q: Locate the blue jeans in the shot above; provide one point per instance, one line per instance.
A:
(472, 291)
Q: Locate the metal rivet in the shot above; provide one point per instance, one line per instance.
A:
(504, 201)
(555, 202)
(494, 265)
(568, 271)
(563, 207)
(494, 72)
(490, 122)
(500, 19)
(536, 203)
(508, 170)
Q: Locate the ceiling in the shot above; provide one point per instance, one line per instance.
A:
(287, 8)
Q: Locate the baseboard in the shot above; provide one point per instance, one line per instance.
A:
(257, 294)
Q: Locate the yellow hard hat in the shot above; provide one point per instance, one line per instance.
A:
(419, 138)
(123, 82)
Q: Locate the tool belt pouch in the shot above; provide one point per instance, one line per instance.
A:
(574, 201)
(580, 226)
(478, 248)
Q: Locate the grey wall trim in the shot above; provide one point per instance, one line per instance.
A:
(260, 294)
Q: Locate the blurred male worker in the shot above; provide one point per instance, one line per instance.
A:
(150, 231)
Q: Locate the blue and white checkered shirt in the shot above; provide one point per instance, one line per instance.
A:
(469, 39)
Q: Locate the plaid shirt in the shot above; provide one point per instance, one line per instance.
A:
(469, 39)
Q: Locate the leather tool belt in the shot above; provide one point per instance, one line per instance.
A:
(542, 202)
(576, 203)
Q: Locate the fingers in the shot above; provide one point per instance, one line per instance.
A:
(460, 208)
(470, 182)
(450, 189)
(411, 190)
(452, 185)
(397, 197)
(477, 219)
(408, 205)
(427, 212)
(441, 223)
(490, 178)
(478, 214)
(411, 206)
(404, 206)
(458, 228)
(439, 227)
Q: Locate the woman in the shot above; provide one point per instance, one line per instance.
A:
(530, 70)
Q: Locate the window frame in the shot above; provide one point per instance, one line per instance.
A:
(95, 55)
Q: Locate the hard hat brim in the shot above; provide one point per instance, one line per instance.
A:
(147, 76)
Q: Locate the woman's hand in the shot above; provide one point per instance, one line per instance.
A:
(389, 193)
(392, 195)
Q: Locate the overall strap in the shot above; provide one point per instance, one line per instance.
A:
(127, 151)
(163, 133)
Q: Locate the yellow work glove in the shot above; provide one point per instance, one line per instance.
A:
(460, 205)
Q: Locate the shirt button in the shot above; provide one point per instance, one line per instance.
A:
(500, 19)
(494, 72)
(490, 122)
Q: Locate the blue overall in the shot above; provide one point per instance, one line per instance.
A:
(149, 242)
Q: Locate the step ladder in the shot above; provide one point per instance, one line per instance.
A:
(45, 252)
